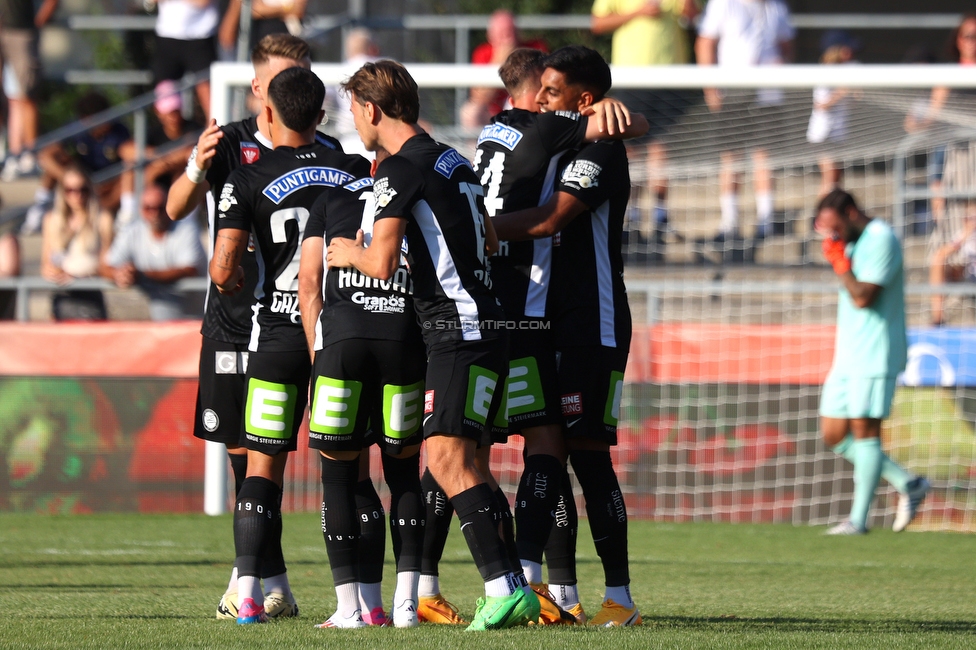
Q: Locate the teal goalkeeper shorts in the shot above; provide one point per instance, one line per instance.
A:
(847, 397)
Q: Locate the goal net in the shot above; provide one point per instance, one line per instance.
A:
(734, 308)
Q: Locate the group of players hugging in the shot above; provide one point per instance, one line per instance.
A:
(423, 298)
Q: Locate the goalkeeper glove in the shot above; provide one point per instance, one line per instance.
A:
(833, 250)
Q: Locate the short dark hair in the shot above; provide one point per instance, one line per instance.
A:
(91, 103)
(582, 66)
(283, 46)
(522, 62)
(839, 201)
(388, 85)
(297, 95)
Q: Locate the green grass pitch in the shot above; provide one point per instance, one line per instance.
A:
(152, 581)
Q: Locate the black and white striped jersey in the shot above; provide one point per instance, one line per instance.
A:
(588, 299)
(228, 318)
(433, 187)
(354, 305)
(272, 199)
(517, 159)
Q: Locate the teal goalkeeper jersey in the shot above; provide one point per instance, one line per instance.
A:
(871, 341)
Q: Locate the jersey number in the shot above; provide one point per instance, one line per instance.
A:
(287, 280)
(471, 191)
(492, 181)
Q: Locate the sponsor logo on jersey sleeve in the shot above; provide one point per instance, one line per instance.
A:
(227, 199)
(283, 186)
(449, 161)
(383, 193)
(250, 153)
(584, 174)
(501, 134)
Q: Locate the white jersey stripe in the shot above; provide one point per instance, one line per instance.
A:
(539, 276)
(447, 273)
(256, 307)
(600, 223)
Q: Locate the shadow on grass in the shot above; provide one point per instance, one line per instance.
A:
(824, 625)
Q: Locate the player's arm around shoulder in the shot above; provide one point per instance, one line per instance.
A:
(189, 189)
(609, 119)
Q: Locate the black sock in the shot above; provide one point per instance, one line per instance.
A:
(238, 464)
(339, 525)
(606, 511)
(406, 510)
(561, 547)
(372, 532)
(535, 504)
(477, 508)
(438, 523)
(506, 531)
(254, 516)
(273, 561)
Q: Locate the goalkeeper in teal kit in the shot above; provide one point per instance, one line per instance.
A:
(870, 351)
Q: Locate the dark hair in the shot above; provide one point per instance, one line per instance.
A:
(297, 95)
(952, 49)
(839, 201)
(522, 62)
(582, 67)
(91, 103)
(388, 85)
(283, 46)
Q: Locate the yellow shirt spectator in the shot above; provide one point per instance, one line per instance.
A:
(644, 39)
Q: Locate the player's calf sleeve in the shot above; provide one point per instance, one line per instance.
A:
(372, 532)
(535, 504)
(606, 511)
(254, 516)
(895, 474)
(506, 531)
(439, 511)
(339, 525)
(238, 464)
(273, 561)
(477, 508)
(561, 547)
(406, 510)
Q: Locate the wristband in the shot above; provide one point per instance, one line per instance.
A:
(194, 173)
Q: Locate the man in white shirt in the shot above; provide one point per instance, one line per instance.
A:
(741, 33)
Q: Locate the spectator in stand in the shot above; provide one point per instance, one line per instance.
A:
(154, 253)
(650, 32)
(947, 266)
(360, 48)
(75, 239)
(267, 17)
(170, 127)
(831, 109)
(93, 150)
(186, 42)
(740, 33)
(961, 50)
(20, 68)
(9, 268)
(503, 37)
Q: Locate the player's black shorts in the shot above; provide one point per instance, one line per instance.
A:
(275, 400)
(220, 394)
(176, 57)
(464, 388)
(532, 388)
(591, 382)
(361, 385)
